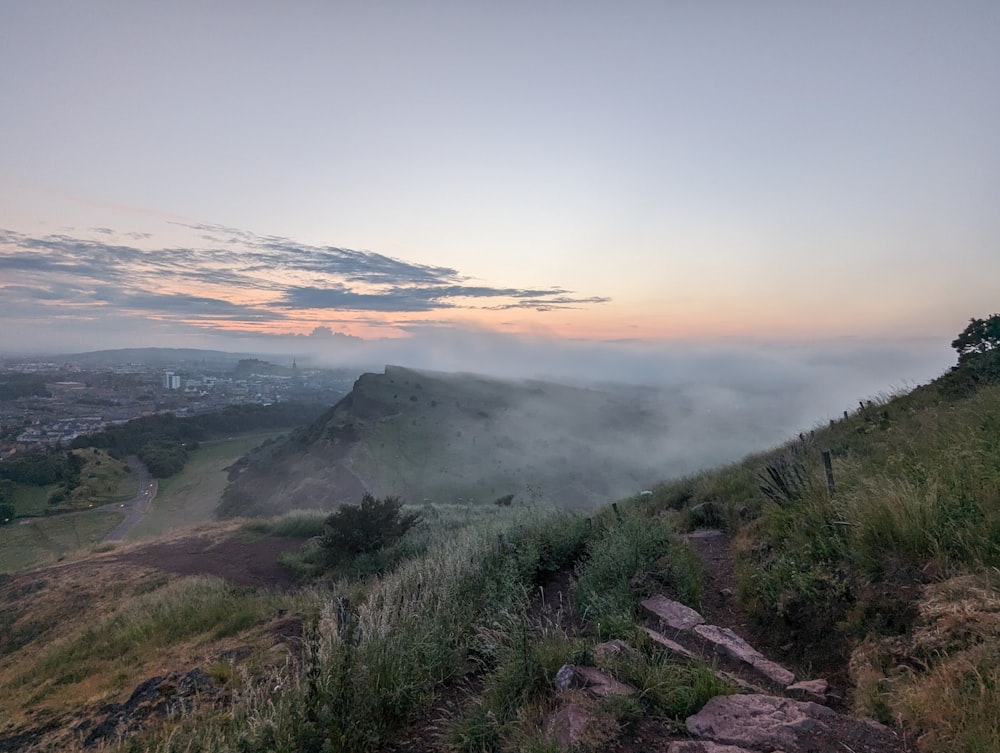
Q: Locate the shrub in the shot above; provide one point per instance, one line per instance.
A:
(366, 528)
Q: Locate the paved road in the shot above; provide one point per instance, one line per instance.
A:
(138, 506)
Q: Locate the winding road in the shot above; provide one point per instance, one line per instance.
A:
(138, 506)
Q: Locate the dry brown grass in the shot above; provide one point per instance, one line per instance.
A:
(86, 633)
(943, 680)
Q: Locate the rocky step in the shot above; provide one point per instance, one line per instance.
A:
(755, 723)
(692, 637)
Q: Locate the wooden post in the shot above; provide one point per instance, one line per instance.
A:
(618, 514)
(828, 467)
(845, 415)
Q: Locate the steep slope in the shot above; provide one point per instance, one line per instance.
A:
(456, 437)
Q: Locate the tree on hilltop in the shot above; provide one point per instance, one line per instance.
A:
(979, 337)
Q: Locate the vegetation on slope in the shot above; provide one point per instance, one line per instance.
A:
(892, 573)
(896, 570)
(162, 441)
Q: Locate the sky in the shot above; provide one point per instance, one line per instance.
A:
(476, 185)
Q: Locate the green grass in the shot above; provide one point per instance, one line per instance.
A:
(48, 540)
(31, 501)
(196, 607)
(627, 560)
(102, 480)
(192, 495)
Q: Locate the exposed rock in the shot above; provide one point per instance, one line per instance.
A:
(668, 644)
(704, 746)
(726, 641)
(768, 723)
(567, 726)
(672, 613)
(601, 685)
(703, 533)
(745, 685)
(565, 677)
(611, 648)
(593, 680)
(809, 690)
(156, 697)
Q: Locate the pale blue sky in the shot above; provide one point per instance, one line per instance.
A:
(697, 171)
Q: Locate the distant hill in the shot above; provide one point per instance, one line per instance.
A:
(172, 356)
(428, 436)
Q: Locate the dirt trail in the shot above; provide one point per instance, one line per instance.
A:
(720, 606)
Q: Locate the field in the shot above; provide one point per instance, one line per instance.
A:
(47, 540)
(30, 500)
(191, 496)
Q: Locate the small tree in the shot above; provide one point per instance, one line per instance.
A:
(368, 527)
(979, 337)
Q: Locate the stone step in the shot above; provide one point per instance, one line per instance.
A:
(672, 613)
(667, 643)
(727, 642)
(763, 722)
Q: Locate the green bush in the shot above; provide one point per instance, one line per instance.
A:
(366, 528)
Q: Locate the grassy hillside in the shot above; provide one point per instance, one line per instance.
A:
(445, 438)
(451, 641)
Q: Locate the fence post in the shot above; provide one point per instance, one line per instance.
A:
(828, 467)
(618, 514)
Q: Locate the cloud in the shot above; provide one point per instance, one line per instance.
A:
(228, 275)
(193, 306)
(427, 298)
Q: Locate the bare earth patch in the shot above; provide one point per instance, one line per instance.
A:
(242, 563)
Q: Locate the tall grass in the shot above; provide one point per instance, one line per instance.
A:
(195, 607)
(627, 560)
(372, 660)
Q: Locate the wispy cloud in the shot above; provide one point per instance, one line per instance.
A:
(227, 275)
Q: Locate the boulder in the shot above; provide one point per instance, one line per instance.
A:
(768, 723)
(672, 613)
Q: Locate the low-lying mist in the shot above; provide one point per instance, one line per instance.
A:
(579, 424)
(714, 402)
